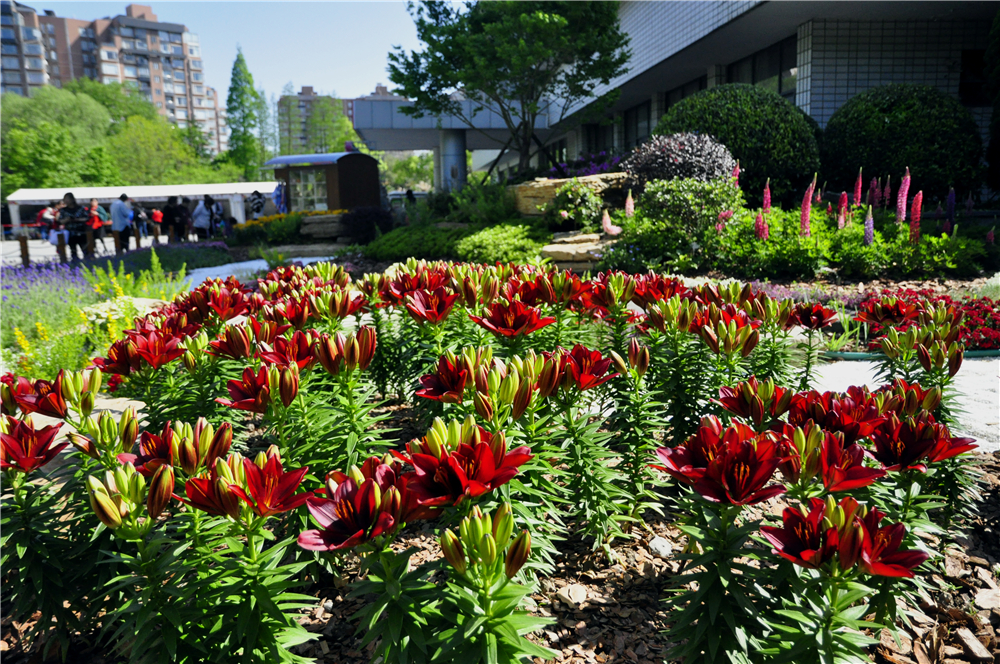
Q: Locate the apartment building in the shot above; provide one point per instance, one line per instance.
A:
(161, 60)
(296, 114)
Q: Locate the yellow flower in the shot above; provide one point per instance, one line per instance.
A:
(43, 334)
(22, 341)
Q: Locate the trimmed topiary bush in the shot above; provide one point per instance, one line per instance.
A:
(767, 134)
(687, 156)
(887, 129)
(503, 243)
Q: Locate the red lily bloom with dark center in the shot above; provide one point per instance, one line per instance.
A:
(467, 472)
(228, 303)
(803, 539)
(843, 465)
(740, 470)
(154, 451)
(652, 287)
(904, 444)
(887, 312)
(746, 400)
(213, 495)
(266, 331)
(880, 554)
(688, 461)
(43, 397)
(251, 393)
(157, 349)
(298, 350)
(26, 448)
(271, 490)
(397, 289)
(836, 412)
(587, 368)
(813, 316)
(908, 399)
(296, 311)
(430, 306)
(234, 343)
(447, 385)
(512, 319)
(122, 359)
(351, 517)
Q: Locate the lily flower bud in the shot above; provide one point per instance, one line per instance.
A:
(503, 526)
(522, 399)
(451, 546)
(487, 549)
(483, 405)
(619, 364)
(128, 428)
(104, 507)
(288, 384)
(160, 490)
(517, 554)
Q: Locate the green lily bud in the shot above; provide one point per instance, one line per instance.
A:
(224, 470)
(454, 434)
(493, 381)
(509, 386)
(160, 490)
(619, 364)
(129, 428)
(469, 429)
(87, 404)
(483, 405)
(451, 546)
(517, 554)
(503, 526)
(487, 549)
(106, 509)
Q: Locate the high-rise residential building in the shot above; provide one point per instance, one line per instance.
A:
(295, 119)
(162, 60)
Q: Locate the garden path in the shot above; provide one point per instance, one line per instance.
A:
(977, 383)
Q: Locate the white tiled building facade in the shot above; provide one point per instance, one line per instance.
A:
(162, 60)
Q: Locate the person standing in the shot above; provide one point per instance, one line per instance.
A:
(73, 217)
(98, 217)
(202, 217)
(257, 202)
(170, 216)
(156, 216)
(121, 221)
(185, 210)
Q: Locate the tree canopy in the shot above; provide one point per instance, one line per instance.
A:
(513, 58)
(122, 101)
(243, 115)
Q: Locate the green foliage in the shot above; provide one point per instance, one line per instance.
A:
(785, 254)
(121, 101)
(407, 171)
(284, 230)
(242, 112)
(327, 128)
(86, 119)
(483, 203)
(152, 283)
(503, 243)
(575, 207)
(36, 157)
(691, 205)
(560, 50)
(887, 129)
(419, 241)
(765, 132)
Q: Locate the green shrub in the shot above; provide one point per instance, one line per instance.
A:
(854, 260)
(784, 255)
(503, 243)
(284, 230)
(767, 134)
(691, 205)
(696, 156)
(484, 203)
(575, 207)
(887, 129)
(417, 241)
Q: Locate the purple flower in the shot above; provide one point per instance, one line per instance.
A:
(869, 228)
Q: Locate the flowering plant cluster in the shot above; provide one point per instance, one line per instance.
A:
(553, 405)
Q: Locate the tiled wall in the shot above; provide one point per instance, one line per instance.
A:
(839, 59)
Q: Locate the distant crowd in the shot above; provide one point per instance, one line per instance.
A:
(177, 221)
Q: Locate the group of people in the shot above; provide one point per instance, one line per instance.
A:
(177, 220)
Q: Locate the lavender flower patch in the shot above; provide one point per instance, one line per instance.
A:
(49, 294)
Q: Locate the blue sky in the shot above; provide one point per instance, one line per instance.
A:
(333, 46)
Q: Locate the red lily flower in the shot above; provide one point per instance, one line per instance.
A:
(271, 490)
(753, 400)
(266, 331)
(887, 312)
(856, 417)
(234, 343)
(512, 319)
(212, 494)
(587, 368)
(726, 329)
(228, 303)
(154, 451)
(122, 359)
(252, 393)
(904, 444)
(909, 399)
(447, 385)
(812, 316)
(652, 287)
(395, 291)
(430, 306)
(880, 554)
(352, 517)
(808, 542)
(466, 472)
(396, 497)
(25, 448)
(843, 465)
(687, 462)
(43, 396)
(296, 311)
(298, 350)
(157, 349)
(739, 474)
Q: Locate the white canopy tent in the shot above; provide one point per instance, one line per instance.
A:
(234, 192)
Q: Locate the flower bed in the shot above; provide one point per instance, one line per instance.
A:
(553, 408)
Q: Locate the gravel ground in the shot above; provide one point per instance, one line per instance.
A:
(977, 383)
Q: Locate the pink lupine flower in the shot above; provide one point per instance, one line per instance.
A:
(760, 228)
(807, 209)
(719, 227)
(767, 196)
(875, 192)
(829, 209)
(819, 195)
(857, 189)
(887, 193)
(841, 219)
(564, 214)
(869, 228)
(736, 174)
(989, 236)
(608, 227)
(918, 202)
(904, 192)
(842, 201)
(629, 205)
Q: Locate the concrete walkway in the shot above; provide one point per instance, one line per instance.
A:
(40, 251)
(977, 383)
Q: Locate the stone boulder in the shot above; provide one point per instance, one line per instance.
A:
(323, 227)
(532, 197)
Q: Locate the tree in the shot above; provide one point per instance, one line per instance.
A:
(41, 156)
(327, 128)
(289, 120)
(512, 58)
(86, 119)
(242, 110)
(121, 101)
(404, 170)
(266, 133)
(196, 139)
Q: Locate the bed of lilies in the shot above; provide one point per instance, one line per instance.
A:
(265, 463)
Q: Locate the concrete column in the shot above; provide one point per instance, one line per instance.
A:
(437, 168)
(15, 218)
(453, 164)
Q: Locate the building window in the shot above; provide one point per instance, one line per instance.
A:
(308, 189)
(637, 124)
(32, 49)
(30, 34)
(144, 72)
(194, 51)
(11, 63)
(599, 137)
(772, 68)
(156, 79)
(109, 69)
(156, 65)
(6, 19)
(17, 90)
(177, 50)
(53, 55)
(179, 88)
(36, 77)
(8, 33)
(177, 63)
(33, 63)
(89, 72)
(195, 76)
(130, 72)
(110, 55)
(181, 101)
(972, 80)
(197, 89)
(181, 114)
(158, 92)
(12, 77)
(54, 70)
(128, 58)
(196, 64)
(159, 104)
(176, 37)
(8, 49)
(140, 45)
